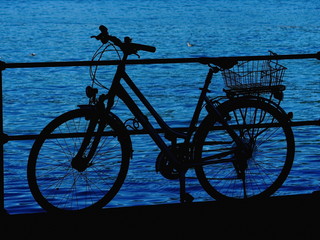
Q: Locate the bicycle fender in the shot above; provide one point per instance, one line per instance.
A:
(261, 99)
(123, 131)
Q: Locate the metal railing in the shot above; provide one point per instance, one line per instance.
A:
(203, 60)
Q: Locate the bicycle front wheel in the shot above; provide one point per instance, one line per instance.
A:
(56, 185)
(265, 129)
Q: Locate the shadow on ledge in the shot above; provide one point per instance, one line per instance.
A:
(285, 216)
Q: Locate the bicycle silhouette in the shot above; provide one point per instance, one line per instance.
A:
(243, 148)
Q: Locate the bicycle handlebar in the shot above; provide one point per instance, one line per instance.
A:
(142, 47)
(126, 46)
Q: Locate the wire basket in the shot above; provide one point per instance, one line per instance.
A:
(249, 77)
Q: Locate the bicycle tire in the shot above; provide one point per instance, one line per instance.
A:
(56, 186)
(273, 150)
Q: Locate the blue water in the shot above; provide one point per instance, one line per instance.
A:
(43, 30)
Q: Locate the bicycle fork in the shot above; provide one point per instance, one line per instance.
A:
(82, 160)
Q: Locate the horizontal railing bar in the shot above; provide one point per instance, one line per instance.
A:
(204, 60)
(142, 131)
(306, 123)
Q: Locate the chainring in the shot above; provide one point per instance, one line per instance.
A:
(166, 166)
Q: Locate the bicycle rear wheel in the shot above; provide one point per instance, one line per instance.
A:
(56, 185)
(261, 126)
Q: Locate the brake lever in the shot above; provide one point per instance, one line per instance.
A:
(137, 55)
(104, 36)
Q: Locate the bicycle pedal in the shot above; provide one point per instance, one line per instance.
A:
(187, 198)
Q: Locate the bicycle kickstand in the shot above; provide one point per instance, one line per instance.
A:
(184, 196)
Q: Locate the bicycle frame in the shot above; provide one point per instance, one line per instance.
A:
(118, 90)
(80, 162)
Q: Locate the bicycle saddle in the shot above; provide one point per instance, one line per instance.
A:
(221, 62)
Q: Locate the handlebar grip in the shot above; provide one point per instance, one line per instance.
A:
(104, 37)
(142, 47)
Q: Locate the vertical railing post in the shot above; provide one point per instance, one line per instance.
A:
(2, 142)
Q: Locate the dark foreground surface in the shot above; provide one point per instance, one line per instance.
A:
(287, 216)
